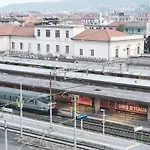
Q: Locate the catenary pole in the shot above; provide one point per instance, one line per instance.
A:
(50, 92)
(6, 141)
(21, 114)
(75, 122)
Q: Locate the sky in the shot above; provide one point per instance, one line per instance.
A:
(6, 2)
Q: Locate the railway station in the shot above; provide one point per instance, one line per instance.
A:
(77, 80)
(119, 96)
(133, 104)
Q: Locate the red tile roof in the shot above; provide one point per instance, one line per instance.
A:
(24, 31)
(98, 35)
(30, 24)
(6, 30)
(114, 24)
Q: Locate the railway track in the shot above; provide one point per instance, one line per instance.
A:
(114, 129)
(53, 139)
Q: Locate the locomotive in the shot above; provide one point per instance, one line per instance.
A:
(32, 101)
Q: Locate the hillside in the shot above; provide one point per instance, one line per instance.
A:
(63, 5)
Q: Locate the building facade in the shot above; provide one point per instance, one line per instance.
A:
(107, 44)
(56, 40)
(70, 41)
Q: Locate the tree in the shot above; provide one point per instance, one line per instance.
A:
(147, 45)
(121, 28)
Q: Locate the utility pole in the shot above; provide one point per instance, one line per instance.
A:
(104, 115)
(55, 73)
(21, 110)
(50, 98)
(75, 122)
(6, 142)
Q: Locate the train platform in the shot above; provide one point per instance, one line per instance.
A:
(138, 70)
(132, 122)
(68, 133)
(128, 122)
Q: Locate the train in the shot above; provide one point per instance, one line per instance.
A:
(32, 101)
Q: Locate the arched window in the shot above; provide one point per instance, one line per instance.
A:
(138, 50)
(117, 53)
(127, 51)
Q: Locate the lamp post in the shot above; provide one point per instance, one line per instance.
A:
(21, 110)
(75, 122)
(104, 115)
(55, 73)
(6, 142)
(138, 129)
(50, 98)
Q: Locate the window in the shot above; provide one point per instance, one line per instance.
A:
(81, 51)
(138, 50)
(67, 34)
(117, 53)
(38, 47)
(29, 47)
(92, 52)
(21, 46)
(47, 48)
(67, 49)
(38, 33)
(13, 45)
(139, 30)
(127, 51)
(31, 101)
(48, 34)
(57, 48)
(57, 33)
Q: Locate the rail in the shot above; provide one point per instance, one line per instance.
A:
(35, 134)
(8, 110)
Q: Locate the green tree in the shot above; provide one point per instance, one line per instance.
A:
(147, 45)
(121, 28)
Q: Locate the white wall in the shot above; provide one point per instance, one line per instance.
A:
(77, 30)
(73, 31)
(35, 41)
(147, 29)
(62, 45)
(122, 46)
(4, 43)
(53, 41)
(108, 51)
(100, 49)
(1, 44)
(25, 40)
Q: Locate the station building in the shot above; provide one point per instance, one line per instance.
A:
(107, 44)
(113, 107)
(70, 41)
